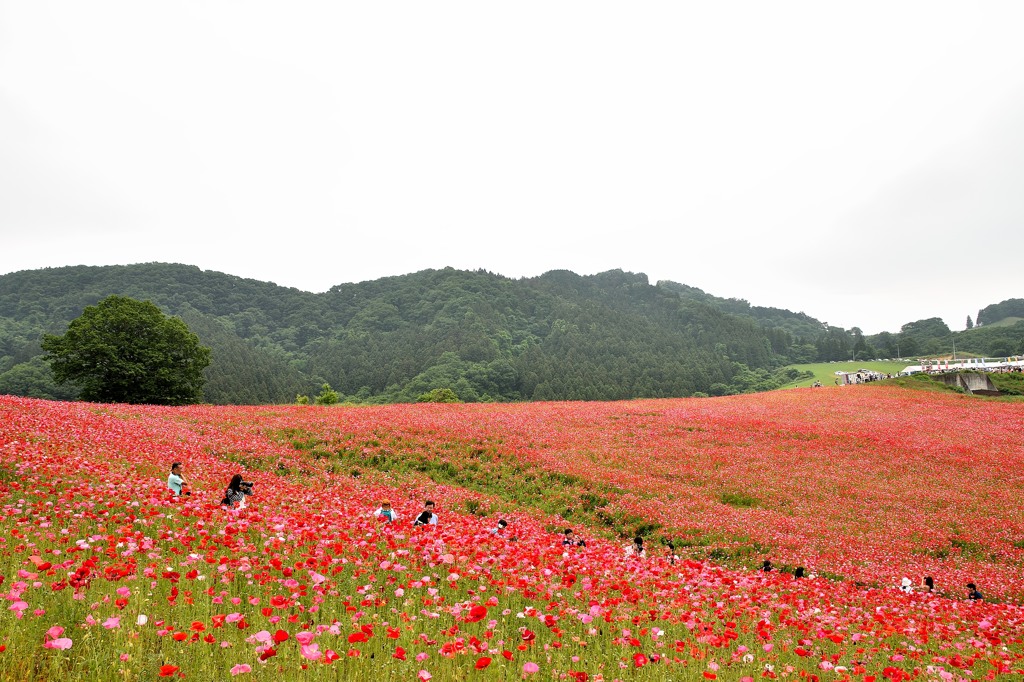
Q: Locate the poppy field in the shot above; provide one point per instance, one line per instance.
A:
(108, 576)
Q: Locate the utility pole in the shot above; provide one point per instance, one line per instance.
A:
(954, 349)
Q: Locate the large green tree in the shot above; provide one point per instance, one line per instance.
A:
(127, 351)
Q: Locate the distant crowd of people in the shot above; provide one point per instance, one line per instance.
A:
(239, 489)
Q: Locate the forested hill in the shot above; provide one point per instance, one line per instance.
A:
(796, 324)
(487, 337)
(1010, 309)
(801, 338)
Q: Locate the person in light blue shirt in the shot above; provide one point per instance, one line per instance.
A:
(175, 480)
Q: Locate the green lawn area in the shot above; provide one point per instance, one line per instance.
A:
(825, 371)
(1005, 322)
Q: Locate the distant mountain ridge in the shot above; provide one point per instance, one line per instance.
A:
(557, 336)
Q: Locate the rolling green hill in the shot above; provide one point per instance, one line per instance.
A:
(559, 336)
(1000, 312)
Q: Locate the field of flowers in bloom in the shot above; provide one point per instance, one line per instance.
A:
(106, 577)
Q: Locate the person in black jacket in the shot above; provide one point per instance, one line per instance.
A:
(427, 517)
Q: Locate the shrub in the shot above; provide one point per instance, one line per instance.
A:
(439, 395)
(328, 396)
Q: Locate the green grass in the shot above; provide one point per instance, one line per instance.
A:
(1005, 322)
(739, 500)
(1009, 384)
(825, 371)
(922, 382)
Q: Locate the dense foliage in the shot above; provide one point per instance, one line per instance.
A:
(483, 336)
(126, 351)
(107, 577)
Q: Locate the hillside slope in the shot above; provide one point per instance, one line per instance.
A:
(489, 338)
(558, 336)
(107, 577)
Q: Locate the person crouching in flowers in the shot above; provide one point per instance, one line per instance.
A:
(386, 513)
(636, 548)
(237, 490)
(570, 540)
(176, 482)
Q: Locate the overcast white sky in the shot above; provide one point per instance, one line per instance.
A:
(862, 162)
